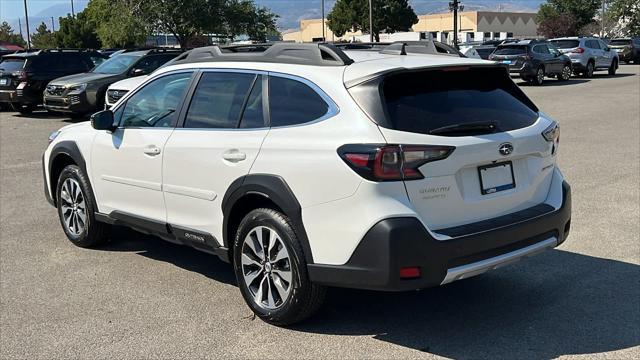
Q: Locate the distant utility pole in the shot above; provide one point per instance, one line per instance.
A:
(20, 28)
(73, 13)
(26, 16)
(371, 20)
(323, 35)
(602, 19)
(455, 6)
(53, 27)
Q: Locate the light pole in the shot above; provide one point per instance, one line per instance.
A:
(53, 27)
(26, 16)
(602, 19)
(323, 34)
(73, 13)
(455, 6)
(370, 20)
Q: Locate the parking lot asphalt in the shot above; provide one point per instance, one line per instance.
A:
(140, 297)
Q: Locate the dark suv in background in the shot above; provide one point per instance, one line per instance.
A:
(24, 76)
(532, 60)
(628, 49)
(83, 93)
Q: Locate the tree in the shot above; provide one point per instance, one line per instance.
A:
(6, 34)
(625, 16)
(389, 16)
(116, 26)
(243, 17)
(566, 17)
(78, 32)
(43, 38)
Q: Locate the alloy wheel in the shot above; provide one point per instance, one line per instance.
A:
(566, 73)
(540, 76)
(590, 70)
(266, 267)
(73, 208)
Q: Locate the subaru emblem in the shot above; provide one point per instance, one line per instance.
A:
(505, 149)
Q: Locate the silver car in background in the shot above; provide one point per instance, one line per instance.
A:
(588, 54)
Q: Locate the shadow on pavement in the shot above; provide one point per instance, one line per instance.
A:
(557, 303)
(553, 82)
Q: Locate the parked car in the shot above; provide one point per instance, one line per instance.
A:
(482, 51)
(532, 60)
(588, 54)
(628, 49)
(84, 93)
(307, 166)
(24, 76)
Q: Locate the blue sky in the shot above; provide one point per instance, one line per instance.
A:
(290, 11)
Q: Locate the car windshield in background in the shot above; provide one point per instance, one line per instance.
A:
(116, 65)
(429, 101)
(510, 50)
(565, 44)
(11, 65)
(620, 42)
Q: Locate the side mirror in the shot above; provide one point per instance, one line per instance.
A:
(138, 72)
(103, 120)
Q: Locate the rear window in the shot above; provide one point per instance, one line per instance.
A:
(11, 65)
(565, 44)
(510, 50)
(620, 42)
(423, 101)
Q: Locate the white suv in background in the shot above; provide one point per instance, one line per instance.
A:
(308, 166)
(588, 54)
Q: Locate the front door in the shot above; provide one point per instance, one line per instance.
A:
(218, 142)
(126, 165)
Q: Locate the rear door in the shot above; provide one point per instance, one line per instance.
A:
(551, 63)
(222, 132)
(490, 172)
(597, 53)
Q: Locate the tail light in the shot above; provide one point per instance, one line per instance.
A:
(552, 135)
(577, 50)
(20, 74)
(391, 162)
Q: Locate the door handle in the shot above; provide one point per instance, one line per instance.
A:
(234, 156)
(152, 150)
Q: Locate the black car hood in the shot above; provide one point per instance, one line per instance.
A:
(87, 77)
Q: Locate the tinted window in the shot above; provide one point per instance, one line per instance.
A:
(620, 42)
(72, 62)
(510, 50)
(218, 99)
(566, 44)
(117, 64)
(636, 41)
(423, 101)
(541, 49)
(11, 65)
(292, 102)
(152, 62)
(156, 103)
(253, 116)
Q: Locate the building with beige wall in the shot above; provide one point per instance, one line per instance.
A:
(472, 26)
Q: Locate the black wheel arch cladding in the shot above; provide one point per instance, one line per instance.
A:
(69, 149)
(276, 190)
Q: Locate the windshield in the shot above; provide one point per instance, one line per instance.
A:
(620, 42)
(565, 44)
(11, 65)
(510, 50)
(116, 65)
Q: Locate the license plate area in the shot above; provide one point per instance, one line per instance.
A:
(496, 177)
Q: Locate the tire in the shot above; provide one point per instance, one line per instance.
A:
(565, 74)
(284, 264)
(613, 67)
(26, 109)
(76, 209)
(588, 72)
(538, 79)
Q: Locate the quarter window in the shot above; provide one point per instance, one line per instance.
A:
(156, 104)
(292, 102)
(218, 99)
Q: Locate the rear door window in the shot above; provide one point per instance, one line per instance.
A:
(541, 49)
(422, 101)
(566, 44)
(292, 102)
(511, 50)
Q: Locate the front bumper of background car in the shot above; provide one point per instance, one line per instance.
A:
(395, 245)
(70, 103)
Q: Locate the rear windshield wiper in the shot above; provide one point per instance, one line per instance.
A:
(479, 127)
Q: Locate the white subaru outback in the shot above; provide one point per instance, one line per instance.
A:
(307, 166)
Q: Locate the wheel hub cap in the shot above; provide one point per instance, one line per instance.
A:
(72, 207)
(266, 268)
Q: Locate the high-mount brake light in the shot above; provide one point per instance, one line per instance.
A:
(377, 162)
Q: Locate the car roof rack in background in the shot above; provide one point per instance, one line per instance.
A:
(411, 47)
(362, 45)
(318, 54)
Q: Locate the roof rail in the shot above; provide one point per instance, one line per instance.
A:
(319, 54)
(411, 47)
(361, 45)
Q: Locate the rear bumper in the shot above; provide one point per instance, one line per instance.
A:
(395, 243)
(21, 96)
